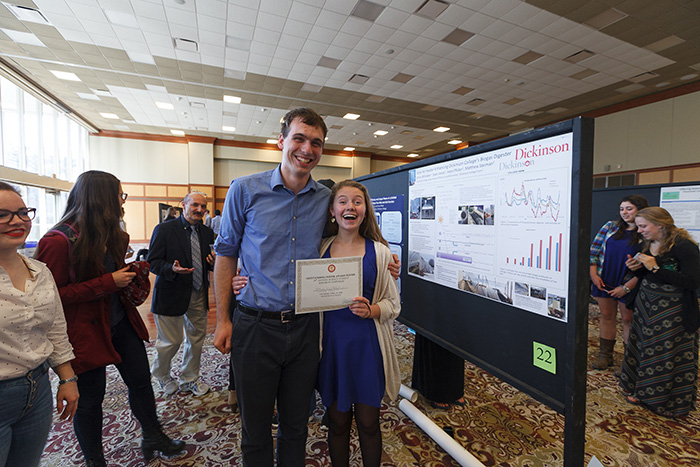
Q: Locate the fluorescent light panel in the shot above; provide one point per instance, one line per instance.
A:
(165, 105)
(23, 37)
(230, 129)
(380, 132)
(350, 116)
(68, 76)
(177, 132)
(110, 116)
(441, 129)
(24, 13)
(232, 99)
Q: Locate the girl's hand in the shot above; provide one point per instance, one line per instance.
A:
(123, 277)
(361, 307)
(645, 260)
(67, 400)
(632, 263)
(238, 282)
(617, 292)
(598, 281)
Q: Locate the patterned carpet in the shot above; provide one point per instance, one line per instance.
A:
(499, 425)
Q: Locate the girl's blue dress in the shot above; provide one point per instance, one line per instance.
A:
(351, 368)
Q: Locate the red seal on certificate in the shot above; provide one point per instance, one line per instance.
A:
(331, 268)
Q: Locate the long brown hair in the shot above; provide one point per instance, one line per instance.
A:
(662, 218)
(369, 227)
(93, 209)
(639, 202)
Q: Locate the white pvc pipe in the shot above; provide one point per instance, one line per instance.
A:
(408, 393)
(452, 447)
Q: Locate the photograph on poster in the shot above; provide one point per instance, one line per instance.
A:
(496, 224)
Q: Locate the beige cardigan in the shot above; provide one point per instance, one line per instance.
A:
(386, 295)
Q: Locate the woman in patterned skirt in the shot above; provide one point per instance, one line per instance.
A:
(660, 368)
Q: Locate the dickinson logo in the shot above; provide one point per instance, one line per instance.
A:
(331, 268)
(537, 151)
(528, 154)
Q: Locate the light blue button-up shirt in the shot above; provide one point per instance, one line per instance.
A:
(268, 227)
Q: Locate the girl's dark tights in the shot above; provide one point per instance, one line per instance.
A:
(367, 420)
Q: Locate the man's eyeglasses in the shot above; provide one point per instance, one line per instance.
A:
(25, 214)
(123, 196)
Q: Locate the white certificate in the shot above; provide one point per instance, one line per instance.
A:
(327, 283)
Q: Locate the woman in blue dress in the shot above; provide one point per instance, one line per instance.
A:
(612, 281)
(358, 360)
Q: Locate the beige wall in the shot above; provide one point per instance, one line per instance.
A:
(140, 161)
(661, 134)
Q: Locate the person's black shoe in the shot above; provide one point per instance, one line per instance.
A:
(100, 462)
(159, 441)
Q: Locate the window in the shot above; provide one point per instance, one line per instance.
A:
(36, 138)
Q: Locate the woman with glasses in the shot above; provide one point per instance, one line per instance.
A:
(32, 339)
(85, 252)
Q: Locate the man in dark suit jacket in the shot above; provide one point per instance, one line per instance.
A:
(180, 296)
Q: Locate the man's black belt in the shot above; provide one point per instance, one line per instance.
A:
(281, 316)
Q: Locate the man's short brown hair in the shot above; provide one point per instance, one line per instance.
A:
(307, 116)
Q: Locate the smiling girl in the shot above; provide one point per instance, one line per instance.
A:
(32, 339)
(358, 362)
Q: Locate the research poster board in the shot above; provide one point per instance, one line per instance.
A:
(389, 212)
(683, 203)
(478, 214)
(497, 224)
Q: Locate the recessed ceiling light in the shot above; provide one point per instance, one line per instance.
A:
(432, 8)
(687, 77)
(232, 99)
(109, 115)
(186, 44)
(165, 105)
(454, 141)
(230, 129)
(88, 95)
(396, 146)
(25, 13)
(413, 154)
(358, 79)
(120, 18)
(141, 57)
(177, 132)
(380, 132)
(68, 76)
(102, 92)
(441, 129)
(349, 148)
(351, 116)
(328, 62)
(271, 141)
(367, 10)
(23, 37)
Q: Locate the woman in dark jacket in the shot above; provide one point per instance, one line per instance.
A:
(85, 252)
(660, 369)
